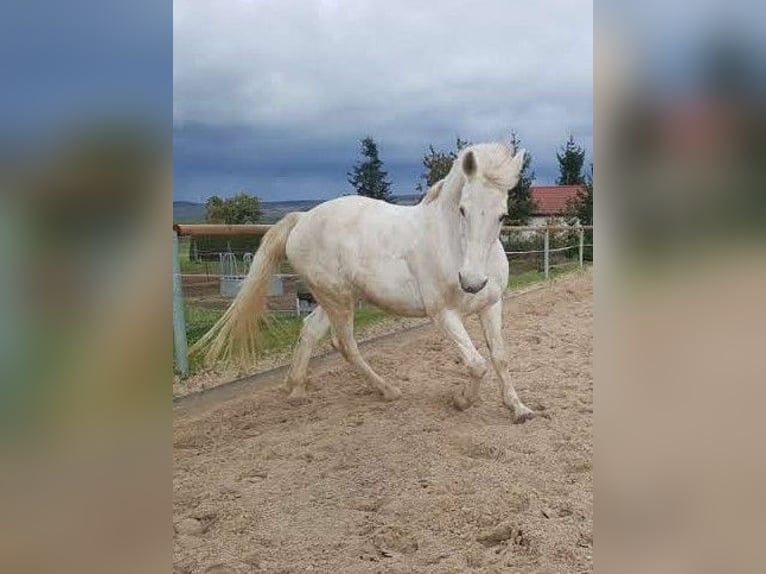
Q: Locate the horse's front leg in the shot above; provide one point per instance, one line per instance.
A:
(452, 325)
(491, 322)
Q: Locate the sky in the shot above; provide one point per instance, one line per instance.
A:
(71, 63)
(273, 97)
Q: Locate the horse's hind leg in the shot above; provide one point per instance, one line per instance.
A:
(343, 327)
(315, 327)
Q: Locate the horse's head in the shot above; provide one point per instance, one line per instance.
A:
(490, 170)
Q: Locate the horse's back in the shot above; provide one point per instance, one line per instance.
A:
(342, 225)
(355, 211)
(360, 245)
(345, 222)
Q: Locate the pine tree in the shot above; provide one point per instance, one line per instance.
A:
(582, 206)
(571, 159)
(438, 164)
(521, 206)
(581, 210)
(367, 176)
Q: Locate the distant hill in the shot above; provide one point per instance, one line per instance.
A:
(188, 212)
(191, 212)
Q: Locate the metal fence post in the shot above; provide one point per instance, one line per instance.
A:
(179, 323)
(546, 256)
(582, 245)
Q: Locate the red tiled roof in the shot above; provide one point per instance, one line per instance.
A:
(552, 199)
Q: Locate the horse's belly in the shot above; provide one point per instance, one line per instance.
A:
(391, 287)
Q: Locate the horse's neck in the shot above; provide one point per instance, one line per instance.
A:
(443, 214)
(446, 204)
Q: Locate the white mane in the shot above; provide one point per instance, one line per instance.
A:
(494, 162)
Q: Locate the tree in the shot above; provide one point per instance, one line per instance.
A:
(521, 206)
(571, 159)
(581, 209)
(438, 164)
(582, 206)
(242, 208)
(367, 176)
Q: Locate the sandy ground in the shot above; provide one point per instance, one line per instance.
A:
(348, 483)
(213, 377)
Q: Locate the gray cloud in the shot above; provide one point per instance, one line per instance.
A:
(300, 82)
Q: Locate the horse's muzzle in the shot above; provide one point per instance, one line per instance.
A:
(471, 285)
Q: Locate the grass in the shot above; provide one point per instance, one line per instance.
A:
(205, 267)
(283, 332)
(210, 266)
(280, 335)
(526, 278)
(189, 266)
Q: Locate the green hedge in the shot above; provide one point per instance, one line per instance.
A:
(208, 247)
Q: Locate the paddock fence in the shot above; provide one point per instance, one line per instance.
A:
(211, 260)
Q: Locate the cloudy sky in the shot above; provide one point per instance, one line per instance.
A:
(272, 97)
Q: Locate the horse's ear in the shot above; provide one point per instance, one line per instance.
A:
(469, 164)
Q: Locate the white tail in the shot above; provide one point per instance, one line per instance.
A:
(236, 334)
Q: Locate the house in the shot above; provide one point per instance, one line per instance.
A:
(552, 202)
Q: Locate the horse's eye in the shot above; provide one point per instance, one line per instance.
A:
(462, 211)
(502, 217)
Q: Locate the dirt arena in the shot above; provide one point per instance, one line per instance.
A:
(348, 483)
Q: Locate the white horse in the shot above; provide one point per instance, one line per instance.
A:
(440, 259)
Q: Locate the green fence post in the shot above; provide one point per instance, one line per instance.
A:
(582, 245)
(179, 323)
(546, 257)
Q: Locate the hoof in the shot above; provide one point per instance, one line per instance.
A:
(297, 397)
(391, 394)
(461, 402)
(523, 414)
